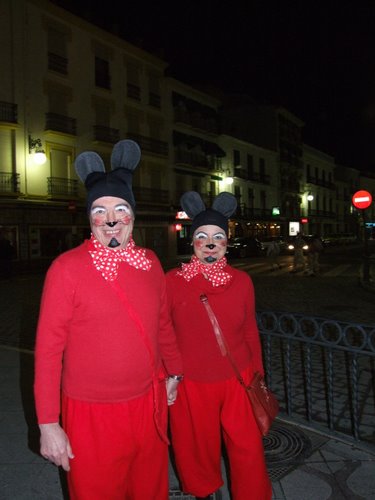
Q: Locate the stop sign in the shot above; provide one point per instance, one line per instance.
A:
(362, 199)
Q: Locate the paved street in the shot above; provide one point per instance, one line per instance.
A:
(335, 294)
(303, 464)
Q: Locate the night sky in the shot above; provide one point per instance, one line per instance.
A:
(317, 59)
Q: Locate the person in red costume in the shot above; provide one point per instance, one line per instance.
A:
(105, 345)
(212, 405)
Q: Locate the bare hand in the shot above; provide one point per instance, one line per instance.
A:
(171, 390)
(54, 445)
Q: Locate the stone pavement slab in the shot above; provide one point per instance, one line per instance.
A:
(327, 469)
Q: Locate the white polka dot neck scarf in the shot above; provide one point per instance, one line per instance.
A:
(213, 272)
(107, 261)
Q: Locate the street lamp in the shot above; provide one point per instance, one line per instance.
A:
(39, 154)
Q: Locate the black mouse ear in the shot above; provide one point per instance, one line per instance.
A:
(125, 154)
(192, 203)
(88, 162)
(225, 203)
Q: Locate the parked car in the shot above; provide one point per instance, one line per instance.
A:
(340, 239)
(242, 246)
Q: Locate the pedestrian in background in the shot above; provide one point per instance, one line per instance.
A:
(313, 256)
(105, 339)
(273, 253)
(299, 262)
(211, 404)
(7, 254)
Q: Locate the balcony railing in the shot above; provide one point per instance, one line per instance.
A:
(149, 144)
(254, 177)
(133, 91)
(62, 188)
(154, 100)
(61, 123)
(150, 195)
(252, 213)
(57, 63)
(320, 182)
(195, 159)
(106, 134)
(196, 120)
(322, 371)
(290, 186)
(8, 112)
(322, 213)
(9, 183)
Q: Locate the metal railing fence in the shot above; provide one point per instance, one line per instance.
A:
(322, 372)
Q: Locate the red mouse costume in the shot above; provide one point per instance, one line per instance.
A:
(106, 342)
(212, 405)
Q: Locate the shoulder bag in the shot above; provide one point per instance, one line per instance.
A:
(264, 404)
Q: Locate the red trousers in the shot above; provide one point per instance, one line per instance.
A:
(119, 454)
(201, 415)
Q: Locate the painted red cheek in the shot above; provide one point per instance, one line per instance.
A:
(198, 244)
(97, 221)
(126, 220)
(222, 244)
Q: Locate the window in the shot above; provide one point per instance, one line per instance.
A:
(154, 98)
(236, 158)
(237, 193)
(133, 81)
(250, 166)
(133, 120)
(262, 166)
(57, 51)
(102, 74)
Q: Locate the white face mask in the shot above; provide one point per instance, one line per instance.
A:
(111, 221)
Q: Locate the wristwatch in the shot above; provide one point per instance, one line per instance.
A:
(176, 377)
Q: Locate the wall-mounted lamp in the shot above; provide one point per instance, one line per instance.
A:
(228, 180)
(39, 153)
(310, 197)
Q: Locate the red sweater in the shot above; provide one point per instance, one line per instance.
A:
(87, 342)
(234, 307)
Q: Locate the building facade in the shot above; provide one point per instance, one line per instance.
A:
(67, 86)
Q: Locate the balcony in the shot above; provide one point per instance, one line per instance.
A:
(254, 177)
(319, 182)
(194, 159)
(253, 213)
(148, 144)
(57, 63)
(61, 123)
(106, 134)
(322, 213)
(133, 91)
(196, 120)
(8, 112)
(290, 186)
(9, 183)
(154, 100)
(59, 187)
(151, 195)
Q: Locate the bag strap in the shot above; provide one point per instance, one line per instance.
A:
(147, 343)
(221, 339)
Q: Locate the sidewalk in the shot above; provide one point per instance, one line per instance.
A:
(303, 465)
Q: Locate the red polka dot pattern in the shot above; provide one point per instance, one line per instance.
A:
(107, 260)
(213, 272)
